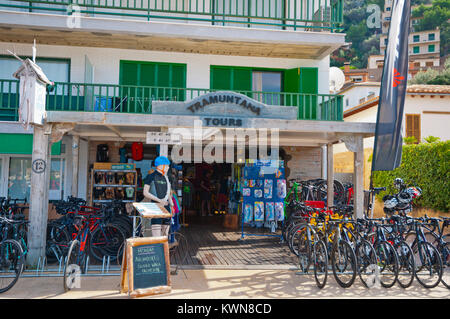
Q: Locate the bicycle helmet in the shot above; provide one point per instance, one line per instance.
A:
(398, 183)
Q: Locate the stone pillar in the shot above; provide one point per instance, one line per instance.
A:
(38, 213)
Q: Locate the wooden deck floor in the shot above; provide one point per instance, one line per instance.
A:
(214, 245)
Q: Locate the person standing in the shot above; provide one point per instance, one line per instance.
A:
(157, 189)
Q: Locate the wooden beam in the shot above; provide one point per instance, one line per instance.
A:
(75, 163)
(38, 212)
(358, 178)
(330, 175)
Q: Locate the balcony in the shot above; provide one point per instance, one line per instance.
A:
(274, 28)
(84, 97)
(286, 14)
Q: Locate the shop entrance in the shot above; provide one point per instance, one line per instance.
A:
(206, 193)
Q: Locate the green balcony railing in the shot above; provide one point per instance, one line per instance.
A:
(85, 97)
(282, 14)
(9, 100)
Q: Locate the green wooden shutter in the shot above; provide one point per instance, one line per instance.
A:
(292, 85)
(156, 81)
(309, 86)
(128, 76)
(302, 80)
(221, 78)
(236, 79)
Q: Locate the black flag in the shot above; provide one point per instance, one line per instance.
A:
(387, 151)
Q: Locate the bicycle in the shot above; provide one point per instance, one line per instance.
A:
(387, 257)
(428, 261)
(11, 259)
(335, 240)
(94, 237)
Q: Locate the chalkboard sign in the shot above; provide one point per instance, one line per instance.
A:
(146, 266)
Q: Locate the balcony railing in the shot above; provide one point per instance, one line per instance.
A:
(310, 15)
(85, 97)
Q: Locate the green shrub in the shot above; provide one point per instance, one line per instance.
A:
(426, 165)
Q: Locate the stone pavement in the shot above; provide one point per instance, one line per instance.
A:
(220, 284)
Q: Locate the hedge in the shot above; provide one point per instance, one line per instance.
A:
(426, 165)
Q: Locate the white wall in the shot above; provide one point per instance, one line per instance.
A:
(357, 92)
(106, 62)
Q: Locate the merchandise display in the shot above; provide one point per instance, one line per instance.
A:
(261, 202)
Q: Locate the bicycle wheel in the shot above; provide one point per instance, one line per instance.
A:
(302, 246)
(11, 263)
(106, 241)
(343, 262)
(366, 259)
(320, 263)
(387, 262)
(445, 255)
(74, 266)
(406, 264)
(57, 243)
(428, 264)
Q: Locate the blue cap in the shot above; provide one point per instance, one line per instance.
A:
(161, 160)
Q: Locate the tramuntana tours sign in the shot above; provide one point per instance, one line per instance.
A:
(224, 109)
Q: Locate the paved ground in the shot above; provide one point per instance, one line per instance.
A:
(221, 284)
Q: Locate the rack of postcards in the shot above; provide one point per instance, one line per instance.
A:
(113, 181)
(263, 186)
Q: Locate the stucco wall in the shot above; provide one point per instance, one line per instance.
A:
(106, 62)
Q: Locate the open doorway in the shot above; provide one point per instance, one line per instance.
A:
(206, 192)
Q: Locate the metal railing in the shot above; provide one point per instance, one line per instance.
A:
(87, 97)
(307, 15)
(9, 100)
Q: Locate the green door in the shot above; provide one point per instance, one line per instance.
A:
(144, 82)
(302, 80)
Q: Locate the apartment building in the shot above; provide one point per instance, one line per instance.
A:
(122, 69)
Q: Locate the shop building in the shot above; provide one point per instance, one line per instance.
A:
(123, 70)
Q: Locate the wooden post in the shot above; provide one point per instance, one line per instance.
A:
(75, 160)
(330, 175)
(38, 213)
(358, 177)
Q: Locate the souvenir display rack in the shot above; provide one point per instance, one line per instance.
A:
(263, 189)
(111, 181)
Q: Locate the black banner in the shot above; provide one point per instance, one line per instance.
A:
(387, 152)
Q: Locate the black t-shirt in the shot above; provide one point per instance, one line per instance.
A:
(160, 184)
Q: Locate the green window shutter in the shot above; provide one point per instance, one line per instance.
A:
(22, 144)
(149, 76)
(221, 78)
(309, 86)
(292, 85)
(242, 79)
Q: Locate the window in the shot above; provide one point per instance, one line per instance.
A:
(56, 70)
(19, 178)
(431, 37)
(388, 9)
(416, 49)
(385, 41)
(429, 64)
(346, 102)
(416, 38)
(413, 126)
(431, 48)
(267, 82)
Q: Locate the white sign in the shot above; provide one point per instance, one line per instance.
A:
(163, 138)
